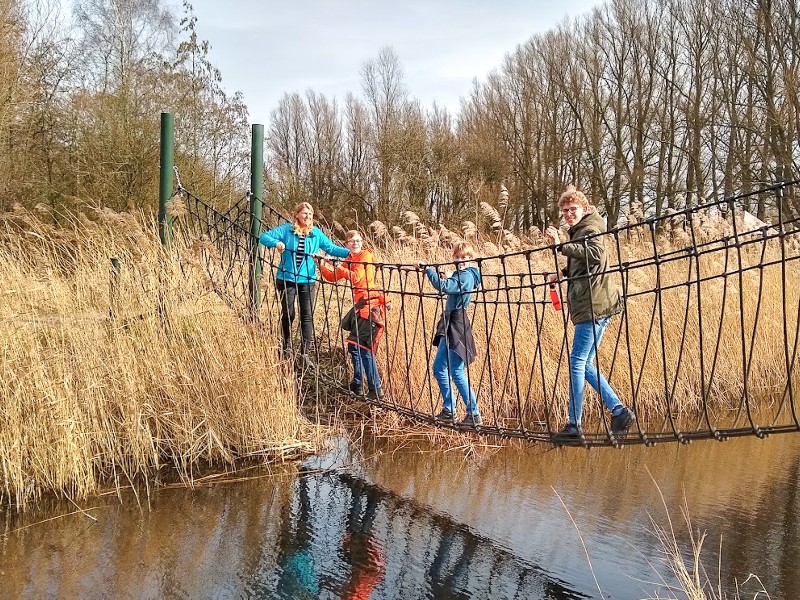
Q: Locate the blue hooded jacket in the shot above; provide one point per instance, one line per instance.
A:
(315, 241)
(454, 326)
(458, 287)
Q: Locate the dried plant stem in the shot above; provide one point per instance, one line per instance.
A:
(580, 536)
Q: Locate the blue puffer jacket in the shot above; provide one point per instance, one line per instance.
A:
(315, 241)
(458, 287)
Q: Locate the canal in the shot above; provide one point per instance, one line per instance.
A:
(409, 519)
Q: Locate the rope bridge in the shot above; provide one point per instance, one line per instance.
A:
(705, 348)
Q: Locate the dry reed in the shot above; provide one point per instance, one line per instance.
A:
(102, 387)
(692, 579)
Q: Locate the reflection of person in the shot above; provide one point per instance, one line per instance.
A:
(361, 550)
(456, 345)
(298, 242)
(456, 552)
(298, 578)
(593, 299)
(366, 320)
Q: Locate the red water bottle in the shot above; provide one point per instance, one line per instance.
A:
(554, 297)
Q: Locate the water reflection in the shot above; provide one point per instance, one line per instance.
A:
(345, 538)
(744, 493)
(410, 524)
(298, 571)
(311, 536)
(361, 550)
(359, 565)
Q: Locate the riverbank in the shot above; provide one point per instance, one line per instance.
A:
(113, 377)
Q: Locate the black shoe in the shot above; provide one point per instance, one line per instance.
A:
(570, 431)
(472, 421)
(375, 394)
(622, 422)
(356, 388)
(445, 415)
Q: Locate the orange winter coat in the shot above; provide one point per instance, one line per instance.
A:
(366, 320)
(359, 271)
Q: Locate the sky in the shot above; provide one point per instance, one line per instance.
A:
(265, 48)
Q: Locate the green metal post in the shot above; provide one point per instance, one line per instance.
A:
(256, 212)
(167, 177)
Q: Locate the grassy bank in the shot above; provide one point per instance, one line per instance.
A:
(97, 392)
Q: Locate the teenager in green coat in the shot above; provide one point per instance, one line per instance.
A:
(593, 299)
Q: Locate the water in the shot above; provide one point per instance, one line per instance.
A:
(426, 523)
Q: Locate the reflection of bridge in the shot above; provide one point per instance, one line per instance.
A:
(707, 347)
(349, 537)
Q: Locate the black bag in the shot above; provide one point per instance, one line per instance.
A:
(349, 319)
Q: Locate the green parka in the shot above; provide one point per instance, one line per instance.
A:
(587, 269)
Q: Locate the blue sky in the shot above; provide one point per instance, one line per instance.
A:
(265, 48)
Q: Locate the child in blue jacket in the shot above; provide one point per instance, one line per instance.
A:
(453, 337)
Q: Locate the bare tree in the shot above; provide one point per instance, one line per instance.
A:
(386, 95)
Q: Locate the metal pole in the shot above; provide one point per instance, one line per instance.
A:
(167, 181)
(116, 267)
(256, 212)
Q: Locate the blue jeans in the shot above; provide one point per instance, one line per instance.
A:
(581, 368)
(448, 364)
(364, 361)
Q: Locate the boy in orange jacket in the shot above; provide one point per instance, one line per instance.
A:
(367, 319)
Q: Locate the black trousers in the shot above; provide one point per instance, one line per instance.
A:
(304, 292)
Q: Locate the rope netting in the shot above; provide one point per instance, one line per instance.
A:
(705, 348)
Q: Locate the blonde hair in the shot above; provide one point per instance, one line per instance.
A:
(297, 228)
(573, 195)
(464, 250)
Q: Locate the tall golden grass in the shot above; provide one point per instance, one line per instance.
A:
(163, 381)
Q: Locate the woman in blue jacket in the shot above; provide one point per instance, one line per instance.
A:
(298, 242)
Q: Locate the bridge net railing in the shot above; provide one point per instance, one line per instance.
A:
(705, 348)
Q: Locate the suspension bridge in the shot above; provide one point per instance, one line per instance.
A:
(706, 347)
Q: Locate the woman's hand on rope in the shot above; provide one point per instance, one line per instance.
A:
(280, 246)
(553, 278)
(421, 265)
